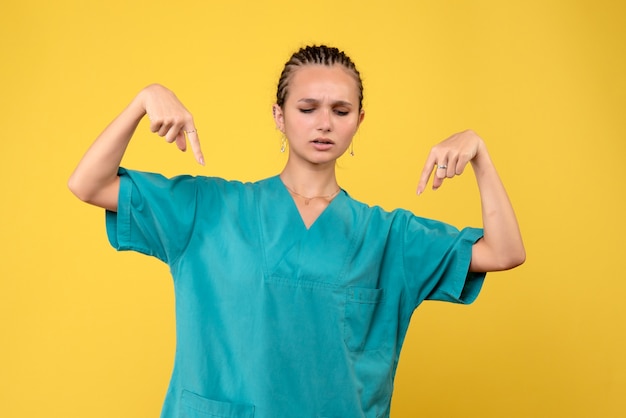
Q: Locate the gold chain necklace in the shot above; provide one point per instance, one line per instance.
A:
(308, 199)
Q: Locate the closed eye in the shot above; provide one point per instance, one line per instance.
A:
(308, 110)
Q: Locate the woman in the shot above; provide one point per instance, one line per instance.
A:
(293, 299)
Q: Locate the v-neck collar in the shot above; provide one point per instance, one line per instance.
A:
(293, 207)
(292, 250)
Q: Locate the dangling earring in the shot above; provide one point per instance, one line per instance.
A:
(352, 149)
(283, 143)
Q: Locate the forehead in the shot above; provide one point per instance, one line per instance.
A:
(321, 80)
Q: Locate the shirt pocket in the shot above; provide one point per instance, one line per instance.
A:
(196, 406)
(364, 329)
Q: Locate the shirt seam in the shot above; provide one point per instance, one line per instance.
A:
(192, 228)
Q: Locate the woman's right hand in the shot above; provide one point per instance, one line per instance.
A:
(95, 179)
(170, 119)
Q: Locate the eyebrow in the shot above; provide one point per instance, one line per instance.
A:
(335, 103)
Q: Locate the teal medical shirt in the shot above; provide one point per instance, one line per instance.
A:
(274, 320)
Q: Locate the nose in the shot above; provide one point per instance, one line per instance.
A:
(325, 121)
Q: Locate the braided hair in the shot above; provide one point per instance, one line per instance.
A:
(320, 55)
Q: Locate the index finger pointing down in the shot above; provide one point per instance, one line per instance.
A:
(426, 173)
(194, 142)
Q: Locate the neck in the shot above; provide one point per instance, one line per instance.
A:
(310, 182)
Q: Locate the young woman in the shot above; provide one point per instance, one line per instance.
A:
(293, 299)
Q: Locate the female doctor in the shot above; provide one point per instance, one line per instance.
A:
(292, 298)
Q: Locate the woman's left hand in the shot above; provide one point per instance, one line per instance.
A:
(501, 247)
(449, 158)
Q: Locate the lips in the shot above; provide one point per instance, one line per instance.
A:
(323, 141)
(322, 144)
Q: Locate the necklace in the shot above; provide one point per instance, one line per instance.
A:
(308, 199)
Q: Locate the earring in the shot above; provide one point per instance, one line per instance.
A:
(283, 143)
(352, 149)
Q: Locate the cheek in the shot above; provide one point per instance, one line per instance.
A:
(297, 126)
(296, 120)
(351, 127)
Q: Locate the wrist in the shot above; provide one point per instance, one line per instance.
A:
(137, 106)
(482, 159)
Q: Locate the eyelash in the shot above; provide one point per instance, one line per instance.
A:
(338, 112)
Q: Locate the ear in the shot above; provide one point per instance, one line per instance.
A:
(361, 117)
(279, 117)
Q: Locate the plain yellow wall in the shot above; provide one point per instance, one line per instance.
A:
(88, 332)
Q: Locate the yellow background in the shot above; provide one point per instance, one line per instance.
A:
(88, 332)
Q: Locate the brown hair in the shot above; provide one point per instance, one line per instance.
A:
(321, 55)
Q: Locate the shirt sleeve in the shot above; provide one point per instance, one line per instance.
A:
(437, 258)
(155, 215)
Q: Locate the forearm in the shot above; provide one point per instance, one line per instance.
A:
(502, 247)
(95, 179)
